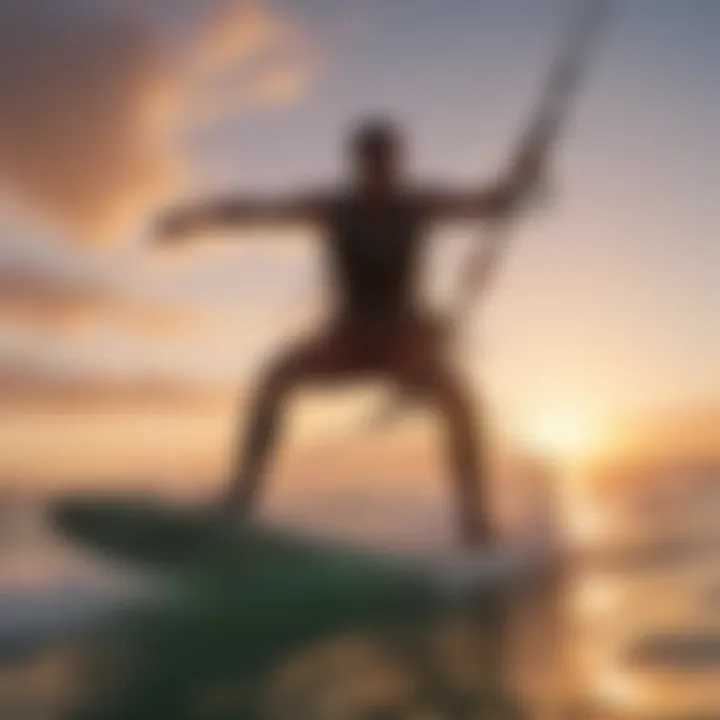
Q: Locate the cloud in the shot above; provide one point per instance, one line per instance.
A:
(248, 56)
(689, 433)
(25, 388)
(31, 299)
(94, 93)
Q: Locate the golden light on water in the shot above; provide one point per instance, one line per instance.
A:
(585, 522)
(595, 596)
(619, 689)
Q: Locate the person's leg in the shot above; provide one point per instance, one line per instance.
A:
(464, 438)
(259, 441)
(324, 357)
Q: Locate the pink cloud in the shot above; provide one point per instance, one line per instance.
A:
(95, 93)
(30, 299)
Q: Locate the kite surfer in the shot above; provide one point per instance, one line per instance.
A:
(373, 233)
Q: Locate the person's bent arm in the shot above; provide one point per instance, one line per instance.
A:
(452, 204)
(500, 199)
(185, 220)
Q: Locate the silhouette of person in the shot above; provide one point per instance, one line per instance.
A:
(373, 234)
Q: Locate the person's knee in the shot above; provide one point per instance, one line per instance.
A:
(279, 380)
(452, 398)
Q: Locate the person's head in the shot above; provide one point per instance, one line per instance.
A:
(375, 151)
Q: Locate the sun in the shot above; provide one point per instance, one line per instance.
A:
(561, 433)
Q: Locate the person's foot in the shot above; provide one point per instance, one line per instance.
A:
(230, 510)
(237, 502)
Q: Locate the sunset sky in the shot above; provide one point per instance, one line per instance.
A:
(113, 110)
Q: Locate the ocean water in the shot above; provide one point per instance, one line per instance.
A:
(604, 641)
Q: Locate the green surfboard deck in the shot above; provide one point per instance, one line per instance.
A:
(240, 600)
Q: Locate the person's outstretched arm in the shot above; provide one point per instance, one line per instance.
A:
(185, 220)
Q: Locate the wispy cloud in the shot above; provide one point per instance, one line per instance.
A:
(25, 387)
(50, 303)
(95, 93)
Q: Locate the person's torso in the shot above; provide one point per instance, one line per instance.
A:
(374, 253)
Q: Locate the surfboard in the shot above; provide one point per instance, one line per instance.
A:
(192, 542)
(186, 541)
(245, 596)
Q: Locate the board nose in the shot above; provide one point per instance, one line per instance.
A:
(131, 528)
(76, 520)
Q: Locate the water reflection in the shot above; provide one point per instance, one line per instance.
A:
(622, 623)
(593, 643)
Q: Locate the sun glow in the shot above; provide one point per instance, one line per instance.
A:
(562, 434)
